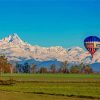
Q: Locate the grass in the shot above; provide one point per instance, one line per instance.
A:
(25, 96)
(53, 86)
(54, 75)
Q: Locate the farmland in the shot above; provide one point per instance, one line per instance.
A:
(51, 87)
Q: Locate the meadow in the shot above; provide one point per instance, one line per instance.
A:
(51, 87)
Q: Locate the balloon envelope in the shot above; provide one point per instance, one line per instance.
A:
(92, 44)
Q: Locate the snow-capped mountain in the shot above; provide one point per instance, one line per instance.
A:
(16, 50)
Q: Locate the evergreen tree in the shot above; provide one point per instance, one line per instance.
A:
(75, 69)
(87, 69)
(26, 68)
(19, 68)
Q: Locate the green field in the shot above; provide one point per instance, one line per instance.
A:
(51, 87)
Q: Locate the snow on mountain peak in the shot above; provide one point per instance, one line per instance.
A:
(14, 38)
(17, 50)
(75, 49)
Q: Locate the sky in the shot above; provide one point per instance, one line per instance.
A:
(50, 22)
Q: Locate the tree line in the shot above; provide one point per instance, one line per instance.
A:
(6, 67)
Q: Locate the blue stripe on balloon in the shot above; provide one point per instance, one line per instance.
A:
(92, 39)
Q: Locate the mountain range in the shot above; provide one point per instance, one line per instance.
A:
(19, 51)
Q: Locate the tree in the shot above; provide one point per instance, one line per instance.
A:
(87, 69)
(19, 68)
(63, 68)
(33, 68)
(43, 70)
(5, 66)
(81, 66)
(75, 69)
(26, 68)
(53, 68)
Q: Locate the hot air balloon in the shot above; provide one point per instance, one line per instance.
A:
(92, 44)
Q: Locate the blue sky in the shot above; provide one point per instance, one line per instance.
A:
(50, 22)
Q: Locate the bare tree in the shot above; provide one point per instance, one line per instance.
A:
(33, 68)
(53, 68)
(64, 68)
(43, 70)
(4, 65)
